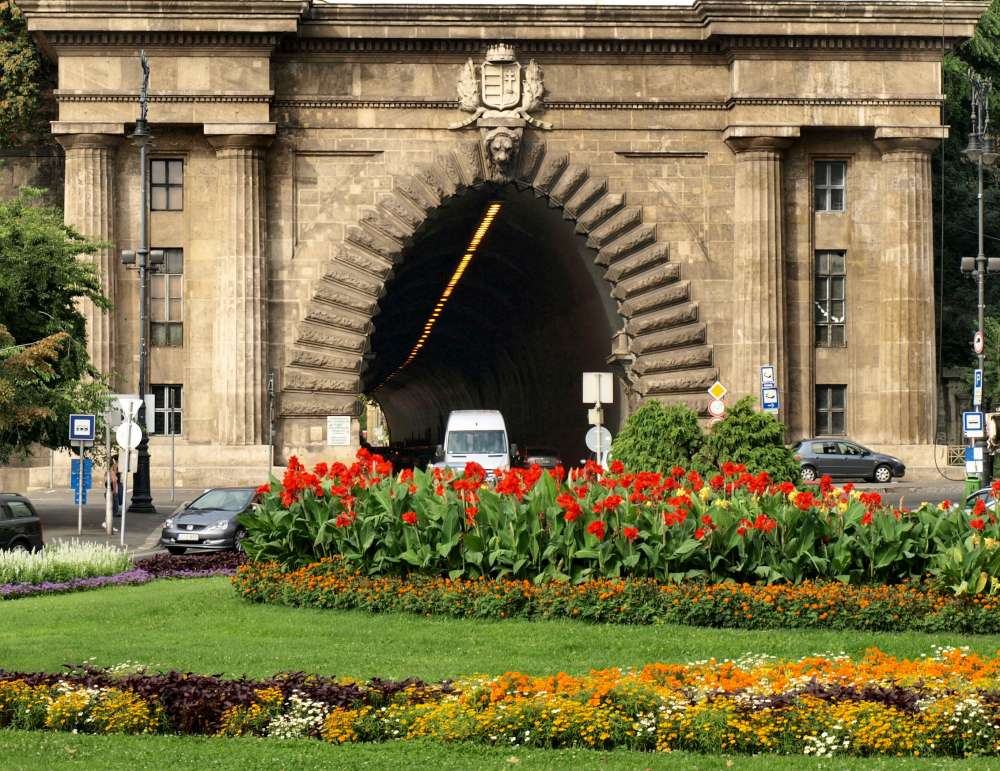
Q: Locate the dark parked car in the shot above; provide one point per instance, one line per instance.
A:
(210, 522)
(20, 527)
(545, 457)
(843, 458)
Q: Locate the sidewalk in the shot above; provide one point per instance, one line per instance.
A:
(142, 531)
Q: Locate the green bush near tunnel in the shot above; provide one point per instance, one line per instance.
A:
(751, 437)
(657, 438)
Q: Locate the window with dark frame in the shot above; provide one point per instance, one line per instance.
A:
(830, 183)
(831, 410)
(166, 184)
(166, 301)
(830, 299)
(167, 404)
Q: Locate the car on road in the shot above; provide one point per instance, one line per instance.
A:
(984, 494)
(844, 458)
(545, 457)
(20, 527)
(210, 522)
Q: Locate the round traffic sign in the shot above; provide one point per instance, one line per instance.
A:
(591, 440)
(978, 342)
(128, 435)
(716, 408)
(714, 421)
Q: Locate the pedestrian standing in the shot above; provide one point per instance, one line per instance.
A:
(115, 479)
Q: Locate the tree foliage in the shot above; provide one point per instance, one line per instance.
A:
(753, 438)
(955, 184)
(656, 438)
(20, 70)
(45, 372)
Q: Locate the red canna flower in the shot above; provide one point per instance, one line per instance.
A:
(617, 467)
(699, 533)
(979, 509)
(977, 524)
(470, 515)
(596, 529)
(612, 502)
(707, 521)
(785, 488)
(320, 469)
(264, 489)
(741, 530)
(677, 472)
(410, 517)
(717, 482)
(630, 533)
(867, 518)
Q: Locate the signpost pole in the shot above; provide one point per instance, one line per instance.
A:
(80, 492)
(108, 491)
(128, 468)
(600, 446)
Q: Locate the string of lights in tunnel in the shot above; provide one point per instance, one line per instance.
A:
(477, 237)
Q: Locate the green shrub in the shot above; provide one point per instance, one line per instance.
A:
(657, 438)
(755, 439)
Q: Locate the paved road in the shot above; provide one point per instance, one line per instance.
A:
(59, 517)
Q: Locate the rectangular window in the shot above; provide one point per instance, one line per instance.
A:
(829, 185)
(831, 299)
(166, 188)
(166, 409)
(831, 410)
(166, 300)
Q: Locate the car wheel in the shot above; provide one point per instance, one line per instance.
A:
(808, 474)
(18, 546)
(883, 473)
(176, 549)
(238, 540)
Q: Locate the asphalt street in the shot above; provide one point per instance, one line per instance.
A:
(142, 531)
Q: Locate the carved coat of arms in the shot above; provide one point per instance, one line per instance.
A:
(500, 94)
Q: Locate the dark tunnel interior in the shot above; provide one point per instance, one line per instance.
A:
(530, 313)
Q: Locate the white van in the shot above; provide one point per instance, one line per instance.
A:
(476, 435)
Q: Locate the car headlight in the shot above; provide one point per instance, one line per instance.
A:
(222, 524)
(169, 522)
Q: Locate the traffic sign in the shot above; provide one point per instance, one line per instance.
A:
(88, 473)
(767, 377)
(974, 425)
(128, 435)
(592, 437)
(973, 460)
(128, 404)
(77, 496)
(769, 399)
(82, 428)
(714, 421)
(978, 342)
(716, 408)
(717, 390)
(598, 387)
(977, 388)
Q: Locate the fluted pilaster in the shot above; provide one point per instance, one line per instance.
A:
(906, 280)
(759, 262)
(240, 350)
(89, 201)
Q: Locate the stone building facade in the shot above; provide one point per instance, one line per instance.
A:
(740, 184)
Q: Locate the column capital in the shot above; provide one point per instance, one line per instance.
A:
(243, 136)
(909, 139)
(88, 135)
(742, 139)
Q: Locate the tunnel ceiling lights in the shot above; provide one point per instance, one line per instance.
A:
(477, 237)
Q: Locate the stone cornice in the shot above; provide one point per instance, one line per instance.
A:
(704, 19)
(276, 16)
(348, 103)
(172, 97)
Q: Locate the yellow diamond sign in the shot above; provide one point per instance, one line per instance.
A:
(717, 391)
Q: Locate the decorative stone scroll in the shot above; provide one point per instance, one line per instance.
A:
(501, 99)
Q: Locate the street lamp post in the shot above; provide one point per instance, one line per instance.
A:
(142, 498)
(980, 151)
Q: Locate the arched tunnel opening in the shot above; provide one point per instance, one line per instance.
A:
(527, 313)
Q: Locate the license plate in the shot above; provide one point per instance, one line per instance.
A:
(187, 536)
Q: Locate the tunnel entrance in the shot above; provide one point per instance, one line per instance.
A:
(527, 312)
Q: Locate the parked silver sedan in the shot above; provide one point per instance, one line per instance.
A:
(210, 522)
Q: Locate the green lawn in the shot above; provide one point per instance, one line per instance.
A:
(201, 626)
(22, 750)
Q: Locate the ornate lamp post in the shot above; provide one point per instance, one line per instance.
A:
(142, 499)
(980, 151)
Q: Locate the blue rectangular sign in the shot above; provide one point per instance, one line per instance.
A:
(769, 398)
(974, 425)
(76, 497)
(88, 473)
(977, 388)
(82, 428)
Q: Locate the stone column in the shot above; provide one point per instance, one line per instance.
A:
(240, 339)
(906, 280)
(759, 259)
(89, 206)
